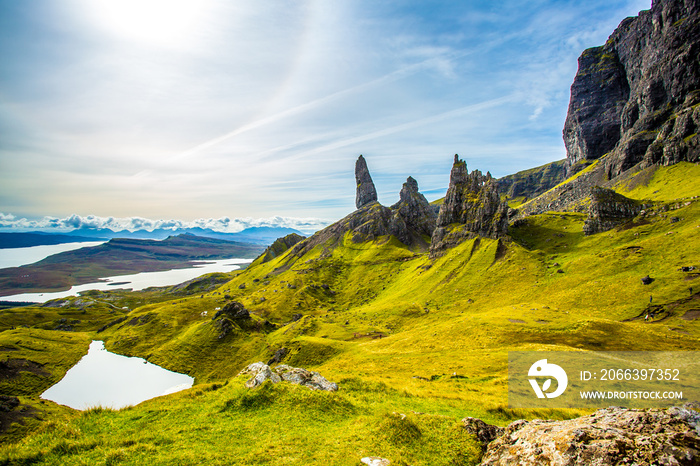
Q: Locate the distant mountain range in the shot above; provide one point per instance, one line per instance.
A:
(255, 235)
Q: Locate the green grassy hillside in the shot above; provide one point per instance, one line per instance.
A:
(401, 334)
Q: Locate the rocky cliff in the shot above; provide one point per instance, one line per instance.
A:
(638, 96)
(531, 183)
(635, 103)
(472, 207)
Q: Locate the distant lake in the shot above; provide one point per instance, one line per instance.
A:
(16, 257)
(137, 281)
(110, 380)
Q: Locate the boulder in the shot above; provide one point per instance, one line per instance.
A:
(484, 433)
(610, 436)
(300, 376)
(261, 372)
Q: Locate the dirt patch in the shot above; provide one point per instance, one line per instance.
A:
(10, 368)
(680, 330)
(542, 321)
(517, 321)
(12, 411)
(691, 315)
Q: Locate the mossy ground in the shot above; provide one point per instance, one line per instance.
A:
(400, 333)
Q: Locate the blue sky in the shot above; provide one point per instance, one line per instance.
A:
(178, 109)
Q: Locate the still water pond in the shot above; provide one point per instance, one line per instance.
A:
(110, 380)
(137, 281)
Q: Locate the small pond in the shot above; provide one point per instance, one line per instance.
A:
(110, 380)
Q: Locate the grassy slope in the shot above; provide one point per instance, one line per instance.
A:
(451, 321)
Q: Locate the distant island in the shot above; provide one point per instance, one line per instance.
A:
(119, 257)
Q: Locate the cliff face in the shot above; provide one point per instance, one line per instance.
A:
(472, 207)
(637, 96)
(533, 182)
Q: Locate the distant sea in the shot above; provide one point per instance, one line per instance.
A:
(16, 257)
(135, 282)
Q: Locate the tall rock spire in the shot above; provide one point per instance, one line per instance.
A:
(366, 192)
(473, 204)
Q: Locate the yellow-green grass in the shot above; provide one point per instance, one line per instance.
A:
(274, 424)
(399, 332)
(655, 183)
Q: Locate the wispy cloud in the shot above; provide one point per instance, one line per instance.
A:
(259, 110)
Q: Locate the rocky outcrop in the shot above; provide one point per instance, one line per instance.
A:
(609, 436)
(608, 210)
(637, 96)
(533, 182)
(472, 207)
(411, 220)
(414, 211)
(231, 315)
(484, 433)
(280, 246)
(366, 192)
(261, 372)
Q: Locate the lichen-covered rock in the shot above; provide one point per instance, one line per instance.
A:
(300, 376)
(366, 192)
(610, 436)
(484, 433)
(636, 96)
(609, 209)
(261, 372)
(473, 203)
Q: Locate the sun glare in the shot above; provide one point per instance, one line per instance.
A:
(154, 22)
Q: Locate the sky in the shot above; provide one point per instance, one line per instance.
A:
(213, 112)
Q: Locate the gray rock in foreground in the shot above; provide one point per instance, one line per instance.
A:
(609, 436)
(261, 372)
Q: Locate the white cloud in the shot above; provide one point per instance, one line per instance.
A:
(224, 224)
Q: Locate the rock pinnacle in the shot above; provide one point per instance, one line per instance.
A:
(366, 192)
